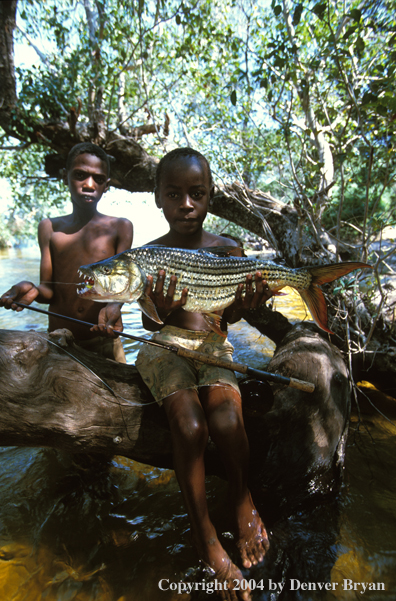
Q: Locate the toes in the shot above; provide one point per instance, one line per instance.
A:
(253, 551)
(246, 561)
(265, 544)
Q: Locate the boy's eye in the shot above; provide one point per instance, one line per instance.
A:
(82, 175)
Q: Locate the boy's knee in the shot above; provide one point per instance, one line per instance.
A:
(227, 422)
(193, 431)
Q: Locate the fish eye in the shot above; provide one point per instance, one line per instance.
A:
(106, 270)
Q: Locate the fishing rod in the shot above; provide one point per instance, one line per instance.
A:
(257, 374)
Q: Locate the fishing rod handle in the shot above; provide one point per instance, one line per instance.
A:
(278, 379)
(244, 369)
(210, 359)
(301, 385)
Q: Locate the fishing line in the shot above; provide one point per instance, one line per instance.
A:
(195, 355)
(64, 283)
(109, 388)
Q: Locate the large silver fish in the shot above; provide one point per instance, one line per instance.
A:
(212, 280)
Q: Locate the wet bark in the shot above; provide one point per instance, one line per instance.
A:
(55, 394)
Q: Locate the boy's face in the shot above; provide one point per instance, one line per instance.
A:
(183, 194)
(87, 180)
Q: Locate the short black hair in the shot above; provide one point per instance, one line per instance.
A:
(87, 148)
(178, 153)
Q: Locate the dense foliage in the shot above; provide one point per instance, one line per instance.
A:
(297, 99)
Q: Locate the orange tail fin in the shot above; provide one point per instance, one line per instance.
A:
(313, 296)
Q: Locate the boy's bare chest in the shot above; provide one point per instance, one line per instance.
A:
(94, 242)
(83, 246)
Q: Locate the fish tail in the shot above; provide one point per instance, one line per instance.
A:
(316, 303)
(313, 296)
(329, 273)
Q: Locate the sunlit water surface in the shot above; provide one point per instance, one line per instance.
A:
(85, 531)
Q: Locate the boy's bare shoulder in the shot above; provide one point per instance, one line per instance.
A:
(49, 225)
(55, 223)
(116, 223)
(215, 240)
(111, 218)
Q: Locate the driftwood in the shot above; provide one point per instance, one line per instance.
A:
(51, 398)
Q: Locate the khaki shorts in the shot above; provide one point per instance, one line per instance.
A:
(165, 373)
(109, 348)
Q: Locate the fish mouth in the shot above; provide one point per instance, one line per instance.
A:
(93, 288)
(87, 287)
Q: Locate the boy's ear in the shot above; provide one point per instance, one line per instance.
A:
(156, 196)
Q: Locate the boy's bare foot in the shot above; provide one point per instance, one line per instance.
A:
(230, 584)
(252, 537)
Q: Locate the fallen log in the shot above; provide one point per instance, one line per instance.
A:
(55, 394)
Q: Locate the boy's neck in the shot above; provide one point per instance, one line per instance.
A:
(84, 214)
(177, 240)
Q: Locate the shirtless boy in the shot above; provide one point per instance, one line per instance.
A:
(66, 242)
(201, 400)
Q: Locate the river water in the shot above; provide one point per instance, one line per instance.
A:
(93, 531)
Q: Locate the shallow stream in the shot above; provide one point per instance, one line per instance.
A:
(93, 531)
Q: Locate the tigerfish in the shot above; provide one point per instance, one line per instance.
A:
(212, 280)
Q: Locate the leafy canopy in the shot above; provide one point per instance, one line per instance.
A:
(294, 98)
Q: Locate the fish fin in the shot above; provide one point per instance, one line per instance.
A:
(148, 308)
(213, 321)
(316, 303)
(220, 251)
(328, 273)
(313, 296)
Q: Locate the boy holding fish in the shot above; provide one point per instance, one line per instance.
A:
(67, 241)
(201, 400)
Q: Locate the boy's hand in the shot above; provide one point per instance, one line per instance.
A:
(23, 292)
(164, 302)
(109, 319)
(251, 299)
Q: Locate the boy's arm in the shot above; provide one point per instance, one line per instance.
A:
(124, 235)
(46, 291)
(109, 317)
(26, 292)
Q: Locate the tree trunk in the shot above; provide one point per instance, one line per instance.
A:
(8, 96)
(52, 397)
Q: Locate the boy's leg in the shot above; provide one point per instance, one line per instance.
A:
(189, 431)
(223, 408)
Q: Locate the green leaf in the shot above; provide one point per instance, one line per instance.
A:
(279, 62)
(320, 9)
(277, 10)
(360, 45)
(297, 14)
(233, 97)
(349, 32)
(356, 14)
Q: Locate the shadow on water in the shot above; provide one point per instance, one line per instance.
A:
(84, 529)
